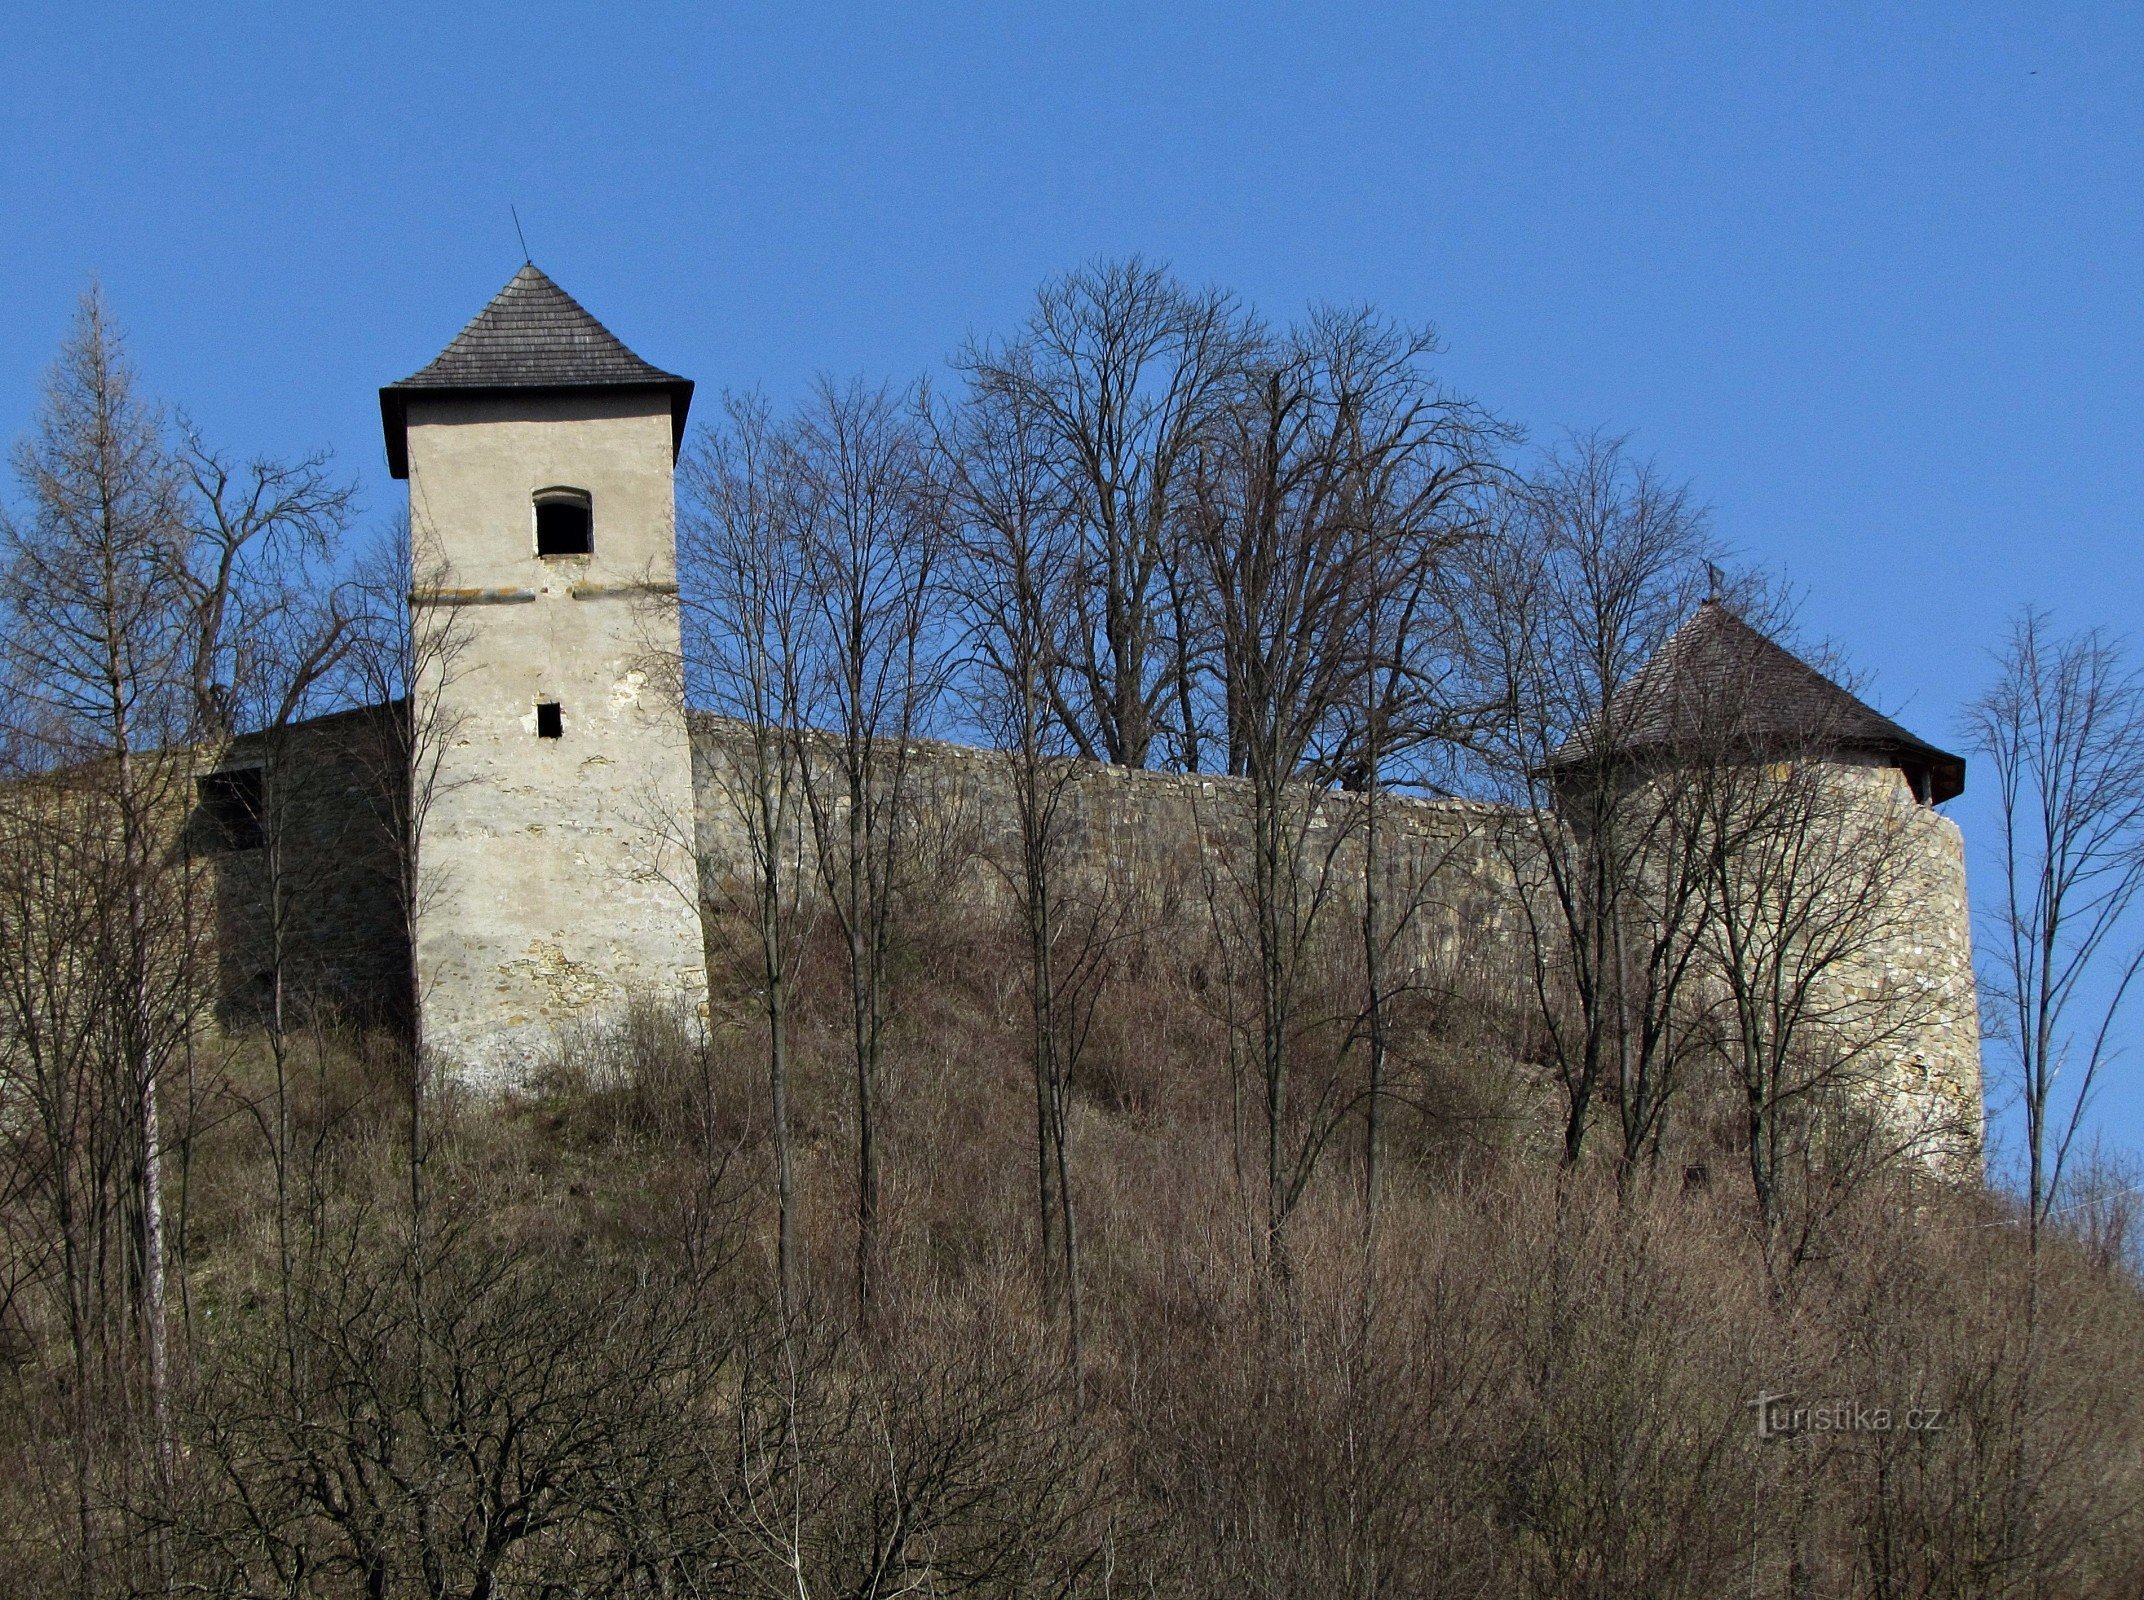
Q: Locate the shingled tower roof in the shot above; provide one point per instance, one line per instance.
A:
(1718, 673)
(532, 337)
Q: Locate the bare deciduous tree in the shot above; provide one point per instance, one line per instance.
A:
(1014, 572)
(1597, 561)
(407, 647)
(66, 1126)
(869, 542)
(444, 1416)
(1122, 369)
(2063, 727)
(97, 641)
(1336, 480)
(268, 633)
(1807, 883)
(140, 587)
(264, 628)
(746, 608)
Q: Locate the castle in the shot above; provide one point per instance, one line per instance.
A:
(569, 822)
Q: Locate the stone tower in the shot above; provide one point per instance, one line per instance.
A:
(557, 880)
(1722, 697)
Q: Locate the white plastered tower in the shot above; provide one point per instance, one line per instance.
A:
(557, 879)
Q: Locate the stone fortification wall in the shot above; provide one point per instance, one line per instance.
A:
(1159, 854)
(1163, 849)
(315, 893)
(1166, 850)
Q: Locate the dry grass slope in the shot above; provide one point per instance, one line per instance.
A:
(568, 1374)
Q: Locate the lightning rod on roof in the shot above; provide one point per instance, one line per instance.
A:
(526, 259)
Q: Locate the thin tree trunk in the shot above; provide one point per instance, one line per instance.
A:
(775, 974)
(1041, 983)
(1273, 1019)
(1373, 965)
(141, 1065)
(1062, 1142)
(860, 1005)
(80, 1309)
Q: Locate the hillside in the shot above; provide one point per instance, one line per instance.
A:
(550, 1358)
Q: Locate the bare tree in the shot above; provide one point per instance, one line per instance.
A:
(2063, 726)
(869, 540)
(97, 642)
(451, 1419)
(746, 609)
(407, 644)
(1597, 561)
(264, 629)
(1015, 570)
(1808, 879)
(406, 648)
(269, 634)
(67, 1128)
(1409, 720)
(1122, 369)
(1339, 477)
(146, 595)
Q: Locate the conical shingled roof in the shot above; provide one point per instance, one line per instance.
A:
(532, 336)
(1718, 673)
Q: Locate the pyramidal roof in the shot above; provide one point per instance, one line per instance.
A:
(532, 336)
(1716, 673)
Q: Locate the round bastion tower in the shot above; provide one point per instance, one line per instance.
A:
(1847, 888)
(556, 881)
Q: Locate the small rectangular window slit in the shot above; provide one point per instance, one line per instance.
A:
(549, 725)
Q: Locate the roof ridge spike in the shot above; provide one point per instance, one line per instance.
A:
(532, 336)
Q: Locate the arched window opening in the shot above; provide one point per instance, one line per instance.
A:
(565, 522)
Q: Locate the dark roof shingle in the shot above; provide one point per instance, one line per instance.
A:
(532, 336)
(1716, 673)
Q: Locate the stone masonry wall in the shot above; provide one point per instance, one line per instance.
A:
(1165, 845)
(1159, 845)
(331, 789)
(1921, 968)
(1159, 850)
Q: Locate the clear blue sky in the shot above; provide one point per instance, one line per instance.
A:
(1872, 283)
